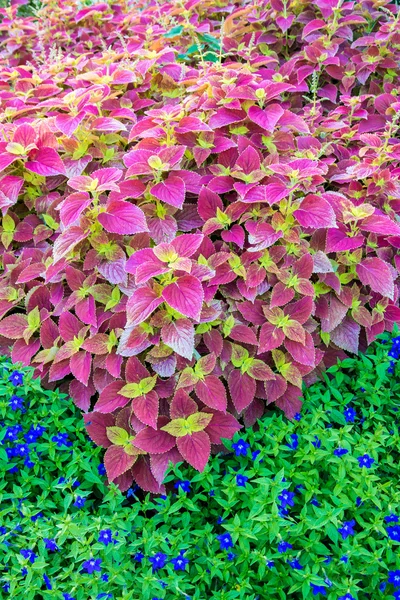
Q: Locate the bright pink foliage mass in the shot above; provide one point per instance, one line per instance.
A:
(200, 209)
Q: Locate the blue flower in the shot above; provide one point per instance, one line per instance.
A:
(16, 378)
(255, 454)
(318, 589)
(24, 571)
(158, 560)
(184, 485)
(241, 480)
(180, 562)
(34, 433)
(105, 537)
(297, 416)
(240, 447)
(270, 564)
(294, 441)
(340, 451)
(286, 498)
(359, 502)
(16, 403)
(328, 559)
(365, 461)
(104, 577)
(29, 555)
(6, 587)
(230, 556)
(22, 449)
(295, 564)
(347, 596)
(47, 582)
(76, 483)
(317, 442)
(80, 502)
(94, 564)
(394, 577)
(28, 463)
(347, 529)
(68, 596)
(314, 502)
(396, 595)
(12, 433)
(284, 546)
(50, 545)
(61, 439)
(103, 595)
(225, 541)
(38, 515)
(392, 518)
(344, 559)
(349, 414)
(211, 493)
(138, 557)
(101, 469)
(382, 586)
(394, 533)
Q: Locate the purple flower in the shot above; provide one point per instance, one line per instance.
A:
(347, 529)
(286, 498)
(184, 485)
(394, 533)
(50, 545)
(240, 447)
(365, 461)
(158, 561)
(180, 562)
(225, 541)
(241, 480)
(94, 564)
(340, 451)
(16, 403)
(105, 537)
(80, 502)
(318, 589)
(47, 582)
(16, 378)
(284, 546)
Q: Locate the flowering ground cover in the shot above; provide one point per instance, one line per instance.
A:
(308, 508)
(199, 210)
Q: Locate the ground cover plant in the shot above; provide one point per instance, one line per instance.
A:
(199, 209)
(301, 509)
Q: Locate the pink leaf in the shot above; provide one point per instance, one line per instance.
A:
(290, 401)
(73, 206)
(96, 426)
(182, 405)
(222, 425)
(172, 191)
(346, 335)
(377, 274)
(303, 354)
(187, 244)
(208, 203)
(67, 124)
(179, 335)
(13, 326)
(146, 408)
(270, 338)
(212, 393)
(315, 213)
(268, 118)
(380, 224)
(46, 163)
(108, 124)
(117, 461)
(160, 462)
(123, 217)
(186, 296)
(67, 241)
(145, 478)
(81, 363)
(195, 449)
(110, 399)
(154, 441)
(141, 304)
(81, 394)
(242, 389)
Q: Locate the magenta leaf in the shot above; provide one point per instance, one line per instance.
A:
(242, 389)
(96, 426)
(110, 399)
(315, 213)
(212, 393)
(172, 191)
(117, 461)
(377, 274)
(123, 217)
(221, 426)
(46, 163)
(186, 296)
(141, 304)
(146, 408)
(346, 335)
(195, 449)
(179, 335)
(154, 441)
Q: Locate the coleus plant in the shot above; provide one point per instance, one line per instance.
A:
(201, 218)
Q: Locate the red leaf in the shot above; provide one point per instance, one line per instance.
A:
(270, 338)
(303, 354)
(179, 335)
(13, 326)
(81, 364)
(144, 477)
(160, 462)
(182, 405)
(141, 304)
(195, 449)
(290, 402)
(146, 408)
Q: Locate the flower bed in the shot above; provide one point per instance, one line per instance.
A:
(199, 210)
(301, 509)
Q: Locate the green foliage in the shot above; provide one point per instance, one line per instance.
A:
(329, 491)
